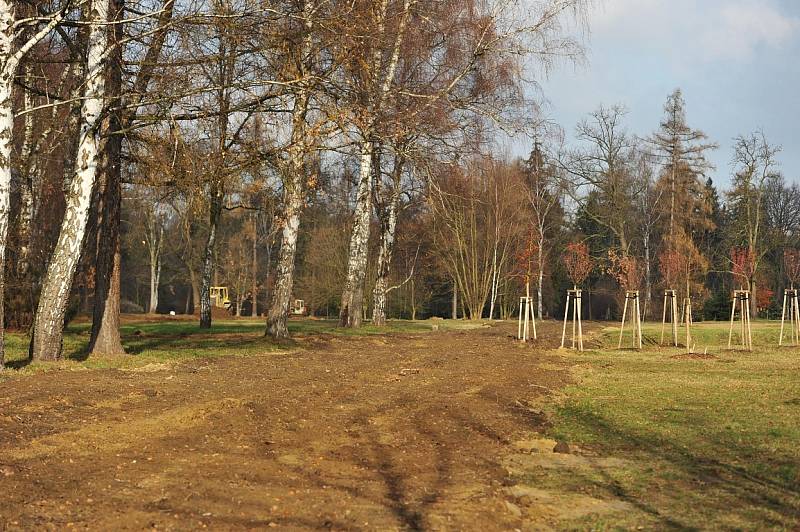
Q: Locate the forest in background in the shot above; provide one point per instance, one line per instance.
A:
(346, 154)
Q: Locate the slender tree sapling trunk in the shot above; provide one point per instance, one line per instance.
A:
(155, 239)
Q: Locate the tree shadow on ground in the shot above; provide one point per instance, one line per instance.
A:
(745, 489)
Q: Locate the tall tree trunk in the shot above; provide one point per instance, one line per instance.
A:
(278, 315)
(215, 211)
(540, 279)
(9, 66)
(48, 329)
(195, 290)
(155, 278)
(353, 295)
(351, 312)
(105, 337)
(26, 190)
(295, 189)
(254, 310)
(454, 307)
(6, 146)
(379, 294)
(155, 239)
(388, 231)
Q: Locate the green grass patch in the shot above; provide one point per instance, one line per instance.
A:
(149, 341)
(708, 442)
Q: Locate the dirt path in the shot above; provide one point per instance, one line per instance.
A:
(396, 432)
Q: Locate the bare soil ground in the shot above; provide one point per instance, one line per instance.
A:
(406, 431)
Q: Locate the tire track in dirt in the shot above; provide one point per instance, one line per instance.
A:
(386, 432)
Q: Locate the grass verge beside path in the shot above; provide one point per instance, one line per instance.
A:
(160, 340)
(706, 442)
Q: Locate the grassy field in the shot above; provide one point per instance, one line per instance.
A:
(705, 442)
(163, 339)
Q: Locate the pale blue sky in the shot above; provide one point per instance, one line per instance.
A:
(737, 61)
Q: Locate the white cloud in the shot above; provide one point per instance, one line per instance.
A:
(744, 27)
(708, 30)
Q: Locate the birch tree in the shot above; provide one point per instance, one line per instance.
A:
(387, 204)
(377, 79)
(154, 240)
(469, 50)
(17, 37)
(296, 168)
(46, 343)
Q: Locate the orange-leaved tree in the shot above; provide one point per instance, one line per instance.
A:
(577, 262)
(624, 269)
(742, 266)
(791, 263)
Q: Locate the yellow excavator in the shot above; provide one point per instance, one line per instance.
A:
(219, 297)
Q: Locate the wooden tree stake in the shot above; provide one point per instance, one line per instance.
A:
(792, 297)
(527, 320)
(633, 297)
(671, 302)
(741, 299)
(574, 302)
(688, 321)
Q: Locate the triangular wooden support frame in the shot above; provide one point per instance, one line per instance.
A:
(573, 301)
(687, 321)
(741, 299)
(791, 296)
(671, 303)
(632, 296)
(527, 319)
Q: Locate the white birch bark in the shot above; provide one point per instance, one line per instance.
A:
(284, 276)
(388, 231)
(6, 145)
(295, 193)
(353, 296)
(9, 62)
(350, 314)
(26, 191)
(48, 327)
(155, 238)
(495, 244)
(540, 279)
(215, 210)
